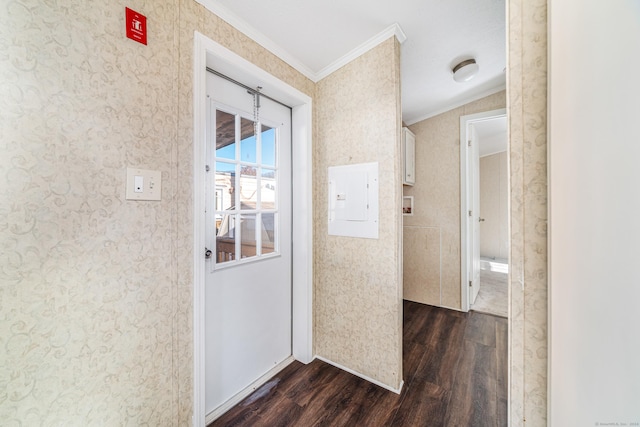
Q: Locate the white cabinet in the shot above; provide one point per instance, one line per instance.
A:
(408, 157)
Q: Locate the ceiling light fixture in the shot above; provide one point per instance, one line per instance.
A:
(465, 71)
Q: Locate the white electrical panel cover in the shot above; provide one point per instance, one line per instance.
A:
(353, 200)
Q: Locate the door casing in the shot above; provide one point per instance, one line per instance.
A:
(473, 226)
(465, 205)
(208, 53)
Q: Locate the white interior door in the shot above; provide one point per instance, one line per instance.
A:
(474, 219)
(248, 204)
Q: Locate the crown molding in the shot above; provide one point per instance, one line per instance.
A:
(392, 30)
(456, 104)
(264, 41)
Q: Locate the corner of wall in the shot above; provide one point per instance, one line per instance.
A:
(357, 284)
(527, 127)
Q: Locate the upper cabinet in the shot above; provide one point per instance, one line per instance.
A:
(409, 157)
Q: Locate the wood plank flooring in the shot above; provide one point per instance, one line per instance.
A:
(455, 373)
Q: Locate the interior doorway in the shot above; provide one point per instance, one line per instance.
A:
(491, 135)
(484, 136)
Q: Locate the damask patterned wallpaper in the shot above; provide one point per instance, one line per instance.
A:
(96, 291)
(527, 128)
(357, 300)
(88, 279)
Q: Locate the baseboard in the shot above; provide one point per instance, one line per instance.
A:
(488, 313)
(364, 377)
(233, 401)
(451, 308)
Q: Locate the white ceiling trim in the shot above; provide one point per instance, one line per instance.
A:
(460, 103)
(392, 30)
(264, 41)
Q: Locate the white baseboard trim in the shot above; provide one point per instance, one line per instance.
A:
(450, 308)
(233, 401)
(364, 377)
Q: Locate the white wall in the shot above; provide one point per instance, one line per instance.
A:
(494, 209)
(594, 209)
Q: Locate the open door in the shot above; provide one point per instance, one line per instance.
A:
(474, 215)
(470, 264)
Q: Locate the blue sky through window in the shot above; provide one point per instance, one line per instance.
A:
(269, 147)
(228, 152)
(248, 149)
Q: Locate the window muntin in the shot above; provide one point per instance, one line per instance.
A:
(246, 182)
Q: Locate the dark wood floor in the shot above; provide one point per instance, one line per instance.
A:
(455, 373)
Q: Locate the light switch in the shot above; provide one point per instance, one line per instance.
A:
(138, 184)
(143, 184)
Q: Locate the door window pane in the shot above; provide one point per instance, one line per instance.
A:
(225, 186)
(248, 243)
(226, 239)
(247, 142)
(248, 188)
(268, 233)
(268, 146)
(225, 135)
(268, 189)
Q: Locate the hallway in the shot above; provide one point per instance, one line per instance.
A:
(455, 372)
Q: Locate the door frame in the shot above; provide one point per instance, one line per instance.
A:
(465, 183)
(208, 53)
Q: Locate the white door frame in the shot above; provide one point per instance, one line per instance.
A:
(208, 53)
(465, 247)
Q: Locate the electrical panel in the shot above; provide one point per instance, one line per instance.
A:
(353, 200)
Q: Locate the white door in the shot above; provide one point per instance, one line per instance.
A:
(248, 203)
(474, 219)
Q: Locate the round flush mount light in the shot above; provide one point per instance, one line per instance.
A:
(465, 71)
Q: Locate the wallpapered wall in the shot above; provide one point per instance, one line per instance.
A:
(494, 209)
(96, 291)
(527, 127)
(357, 300)
(432, 234)
(88, 279)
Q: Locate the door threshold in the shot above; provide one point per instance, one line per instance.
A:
(239, 397)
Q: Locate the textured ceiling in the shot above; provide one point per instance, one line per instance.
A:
(314, 36)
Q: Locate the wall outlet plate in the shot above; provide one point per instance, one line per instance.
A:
(151, 184)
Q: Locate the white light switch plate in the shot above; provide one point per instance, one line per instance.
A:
(152, 184)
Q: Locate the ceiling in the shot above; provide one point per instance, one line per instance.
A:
(319, 36)
(492, 135)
